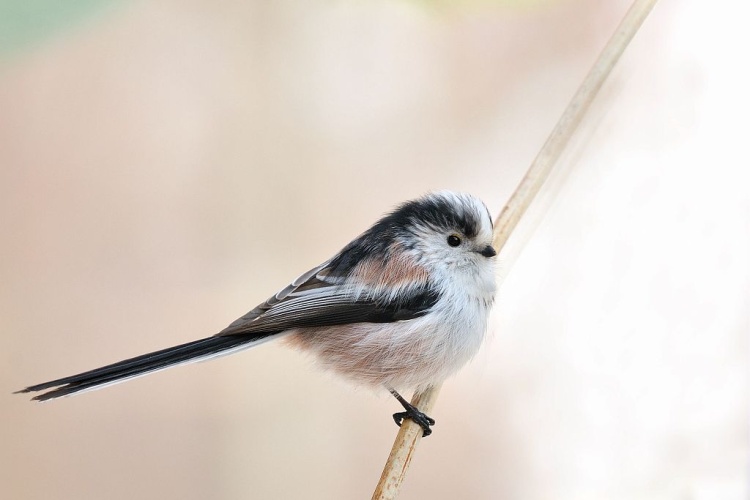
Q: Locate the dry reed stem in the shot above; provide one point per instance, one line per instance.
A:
(410, 433)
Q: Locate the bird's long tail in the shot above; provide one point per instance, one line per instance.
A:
(144, 364)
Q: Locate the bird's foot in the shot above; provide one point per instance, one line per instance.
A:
(413, 413)
(418, 417)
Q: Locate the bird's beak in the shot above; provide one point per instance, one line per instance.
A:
(487, 251)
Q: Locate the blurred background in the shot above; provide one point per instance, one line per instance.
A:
(167, 165)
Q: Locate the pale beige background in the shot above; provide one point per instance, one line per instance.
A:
(164, 166)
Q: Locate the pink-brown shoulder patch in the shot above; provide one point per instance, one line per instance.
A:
(395, 272)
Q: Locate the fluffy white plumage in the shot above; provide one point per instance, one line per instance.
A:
(419, 352)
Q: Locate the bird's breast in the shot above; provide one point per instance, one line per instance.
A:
(405, 354)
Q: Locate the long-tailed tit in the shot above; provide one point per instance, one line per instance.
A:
(402, 306)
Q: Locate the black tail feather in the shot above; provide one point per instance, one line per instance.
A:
(141, 365)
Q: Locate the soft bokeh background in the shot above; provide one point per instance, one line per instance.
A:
(166, 165)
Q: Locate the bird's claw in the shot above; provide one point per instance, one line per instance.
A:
(418, 417)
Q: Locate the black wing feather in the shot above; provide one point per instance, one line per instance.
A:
(321, 298)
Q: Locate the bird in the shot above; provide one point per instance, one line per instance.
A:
(402, 306)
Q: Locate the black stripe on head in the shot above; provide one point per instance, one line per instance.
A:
(436, 211)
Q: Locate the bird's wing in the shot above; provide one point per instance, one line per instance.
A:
(322, 297)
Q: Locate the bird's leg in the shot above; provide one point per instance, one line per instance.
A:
(413, 413)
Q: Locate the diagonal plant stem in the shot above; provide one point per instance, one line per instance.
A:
(410, 433)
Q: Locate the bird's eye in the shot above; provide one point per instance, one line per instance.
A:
(454, 240)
